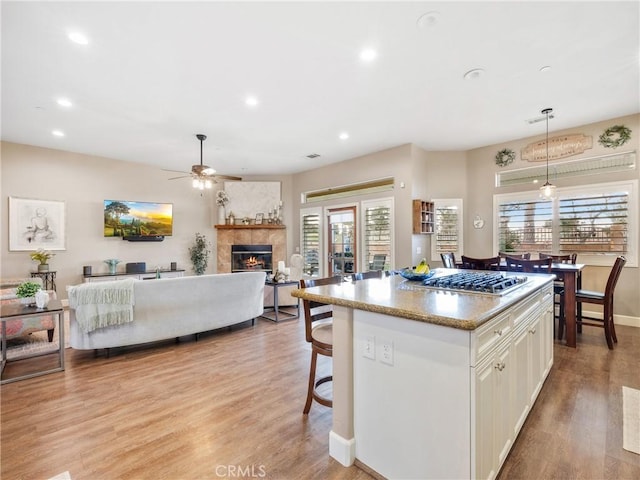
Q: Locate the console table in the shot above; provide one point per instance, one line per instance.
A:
(48, 279)
(148, 275)
(16, 311)
(276, 306)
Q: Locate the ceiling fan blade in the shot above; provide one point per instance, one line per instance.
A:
(182, 176)
(177, 171)
(226, 177)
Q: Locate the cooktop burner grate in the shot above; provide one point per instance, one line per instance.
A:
(482, 282)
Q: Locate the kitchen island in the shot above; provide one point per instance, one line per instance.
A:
(429, 383)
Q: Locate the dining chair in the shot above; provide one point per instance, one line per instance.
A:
(517, 264)
(365, 275)
(318, 329)
(600, 298)
(492, 263)
(378, 262)
(448, 259)
(558, 285)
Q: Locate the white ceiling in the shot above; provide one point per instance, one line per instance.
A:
(156, 73)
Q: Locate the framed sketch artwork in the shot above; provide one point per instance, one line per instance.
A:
(35, 224)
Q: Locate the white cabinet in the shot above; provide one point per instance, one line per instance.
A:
(509, 376)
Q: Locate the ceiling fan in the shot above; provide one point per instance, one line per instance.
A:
(203, 175)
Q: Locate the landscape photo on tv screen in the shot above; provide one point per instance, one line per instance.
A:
(137, 219)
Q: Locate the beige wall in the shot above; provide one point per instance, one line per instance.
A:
(480, 188)
(84, 182)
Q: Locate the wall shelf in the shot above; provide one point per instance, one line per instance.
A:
(423, 217)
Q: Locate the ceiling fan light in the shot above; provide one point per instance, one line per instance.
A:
(208, 184)
(208, 171)
(195, 183)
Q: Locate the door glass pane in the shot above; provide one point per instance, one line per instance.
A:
(342, 255)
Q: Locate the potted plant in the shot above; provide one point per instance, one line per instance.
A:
(43, 257)
(26, 291)
(221, 200)
(199, 253)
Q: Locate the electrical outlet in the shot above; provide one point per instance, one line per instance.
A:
(386, 348)
(369, 350)
(418, 250)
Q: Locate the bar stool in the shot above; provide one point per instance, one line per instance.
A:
(319, 332)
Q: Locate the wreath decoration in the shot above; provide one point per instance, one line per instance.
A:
(615, 136)
(505, 157)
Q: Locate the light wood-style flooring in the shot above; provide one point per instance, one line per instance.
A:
(230, 406)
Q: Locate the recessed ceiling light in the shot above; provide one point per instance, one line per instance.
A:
(545, 69)
(474, 74)
(79, 38)
(368, 55)
(428, 20)
(64, 102)
(344, 136)
(57, 133)
(251, 101)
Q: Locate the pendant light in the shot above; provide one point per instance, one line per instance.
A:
(548, 190)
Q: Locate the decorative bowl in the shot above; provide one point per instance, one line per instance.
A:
(409, 274)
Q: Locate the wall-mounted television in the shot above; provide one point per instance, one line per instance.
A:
(137, 220)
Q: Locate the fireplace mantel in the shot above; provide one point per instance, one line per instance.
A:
(265, 226)
(265, 234)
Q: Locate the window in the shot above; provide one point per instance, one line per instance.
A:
(311, 240)
(598, 222)
(377, 234)
(448, 227)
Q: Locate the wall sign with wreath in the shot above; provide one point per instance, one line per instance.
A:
(615, 136)
(505, 157)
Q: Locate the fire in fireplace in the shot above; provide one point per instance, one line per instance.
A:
(250, 258)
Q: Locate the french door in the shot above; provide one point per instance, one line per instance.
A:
(342, 256)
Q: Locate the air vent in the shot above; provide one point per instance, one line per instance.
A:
(313, 155)
(531, 121)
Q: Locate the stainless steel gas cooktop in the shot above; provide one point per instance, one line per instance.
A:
(493, 283)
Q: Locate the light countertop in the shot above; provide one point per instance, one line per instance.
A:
(402, 298)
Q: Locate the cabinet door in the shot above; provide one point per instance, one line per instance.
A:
(538, 351)
(485, 412)
(503, 402)
(521, 378)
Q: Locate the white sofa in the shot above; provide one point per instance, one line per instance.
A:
(173, 307)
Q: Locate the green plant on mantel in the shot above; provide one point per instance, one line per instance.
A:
(27, 289)
(199, 253)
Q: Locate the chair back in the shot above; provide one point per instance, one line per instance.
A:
(365, 275)
(448, 260)
(378, 262)
(316, 311)
(541, 265)
(492, 263)
(569, 258)
(616, 270)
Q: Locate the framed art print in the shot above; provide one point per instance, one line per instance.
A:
(259, 218)
(35, 224)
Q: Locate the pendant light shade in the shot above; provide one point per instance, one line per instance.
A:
(548, 190)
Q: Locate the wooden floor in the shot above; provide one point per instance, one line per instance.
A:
(230, 406)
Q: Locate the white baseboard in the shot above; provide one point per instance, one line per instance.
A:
(343, 450)
(627, 320)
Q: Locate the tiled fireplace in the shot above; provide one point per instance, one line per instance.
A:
(251, 258)
(274, 236)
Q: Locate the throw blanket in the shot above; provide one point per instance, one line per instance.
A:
(102, 304)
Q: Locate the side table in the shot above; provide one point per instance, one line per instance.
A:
(276, 306)
(16, 311)
(48, 279)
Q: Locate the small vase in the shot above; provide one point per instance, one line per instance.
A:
(221, 216)
(42, 299)
(43, 267)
